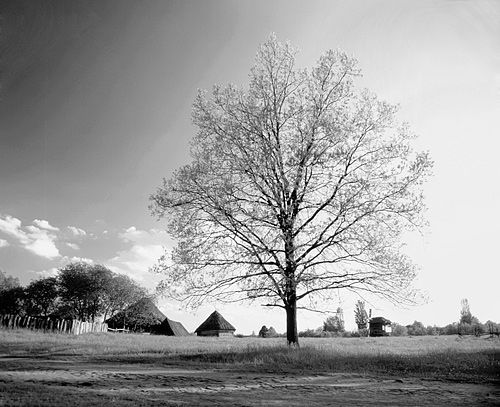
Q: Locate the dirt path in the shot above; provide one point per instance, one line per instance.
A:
(26, 381)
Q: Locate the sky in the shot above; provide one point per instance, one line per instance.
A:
(95, 109)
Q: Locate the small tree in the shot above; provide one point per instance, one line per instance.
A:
(271, 333)
(416, 329)
(334, 323)
(263, 331)
(360, 315)
(398, 330)
(465, 314)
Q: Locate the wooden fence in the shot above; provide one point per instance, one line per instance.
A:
(47, 324)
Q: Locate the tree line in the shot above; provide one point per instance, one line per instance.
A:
(79, 291)
(466, 325)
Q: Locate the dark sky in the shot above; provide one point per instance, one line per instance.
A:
(95, 100)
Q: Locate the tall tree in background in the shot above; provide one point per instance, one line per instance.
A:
(83, 287)
(120, 293)
(41, 296)
(360, 315)
(298, 186)
(465, 314)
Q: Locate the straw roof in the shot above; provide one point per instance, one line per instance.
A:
(143, 314)
(380, 320)
(215, 322)
(170, 328)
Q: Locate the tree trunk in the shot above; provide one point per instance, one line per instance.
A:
(291, 322)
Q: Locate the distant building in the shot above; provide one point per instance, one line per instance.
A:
(143, 316)
(380, 326)
(215, 325)
(170, 328)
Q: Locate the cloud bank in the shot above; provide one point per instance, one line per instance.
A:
(37, 239)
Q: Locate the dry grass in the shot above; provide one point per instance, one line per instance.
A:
(444, 357)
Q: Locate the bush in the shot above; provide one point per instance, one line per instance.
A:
(399, 330)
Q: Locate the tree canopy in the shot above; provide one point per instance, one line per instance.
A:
(299, 185)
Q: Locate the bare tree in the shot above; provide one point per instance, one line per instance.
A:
(298, 186)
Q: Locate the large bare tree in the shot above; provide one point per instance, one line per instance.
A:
(298, 186)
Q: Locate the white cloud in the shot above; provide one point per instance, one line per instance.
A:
(73, 246)
(3, 243)
(147, 247)
(36, 240)
(77, 231)
(52, 272)
(76, 259)
(11, 226)
(43, 224)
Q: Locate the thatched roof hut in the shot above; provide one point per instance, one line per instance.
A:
(215, 325)
(170, 328)
(143, 316)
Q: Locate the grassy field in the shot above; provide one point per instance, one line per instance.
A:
(38, 369)
(467, 359)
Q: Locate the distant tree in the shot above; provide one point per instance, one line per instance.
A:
(432, 330)
(312, 333)
(12, 301)
(450, 329)
(41, 296)
(398, 330)
(360, 315)
(334, 323)
(416, 329)
(83, 287)
(263, 331)
(465, 314)
(492, 328)
(299, 186)
(8, 282)
(271, 333)
(120, 293)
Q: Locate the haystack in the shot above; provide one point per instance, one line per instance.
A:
(143, 316)
(170, 328)
(215, 325)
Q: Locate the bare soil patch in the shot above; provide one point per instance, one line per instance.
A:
(40, 381)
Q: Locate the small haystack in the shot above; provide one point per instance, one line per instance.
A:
(215, 325)
(170, 328)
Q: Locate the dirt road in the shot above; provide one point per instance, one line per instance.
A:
(34, 381)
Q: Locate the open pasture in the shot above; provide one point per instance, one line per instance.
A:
(129, 369)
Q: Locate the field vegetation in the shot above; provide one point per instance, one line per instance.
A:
(468, 359)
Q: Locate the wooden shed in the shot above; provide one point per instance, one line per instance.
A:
(215, 325)
(379, 326)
